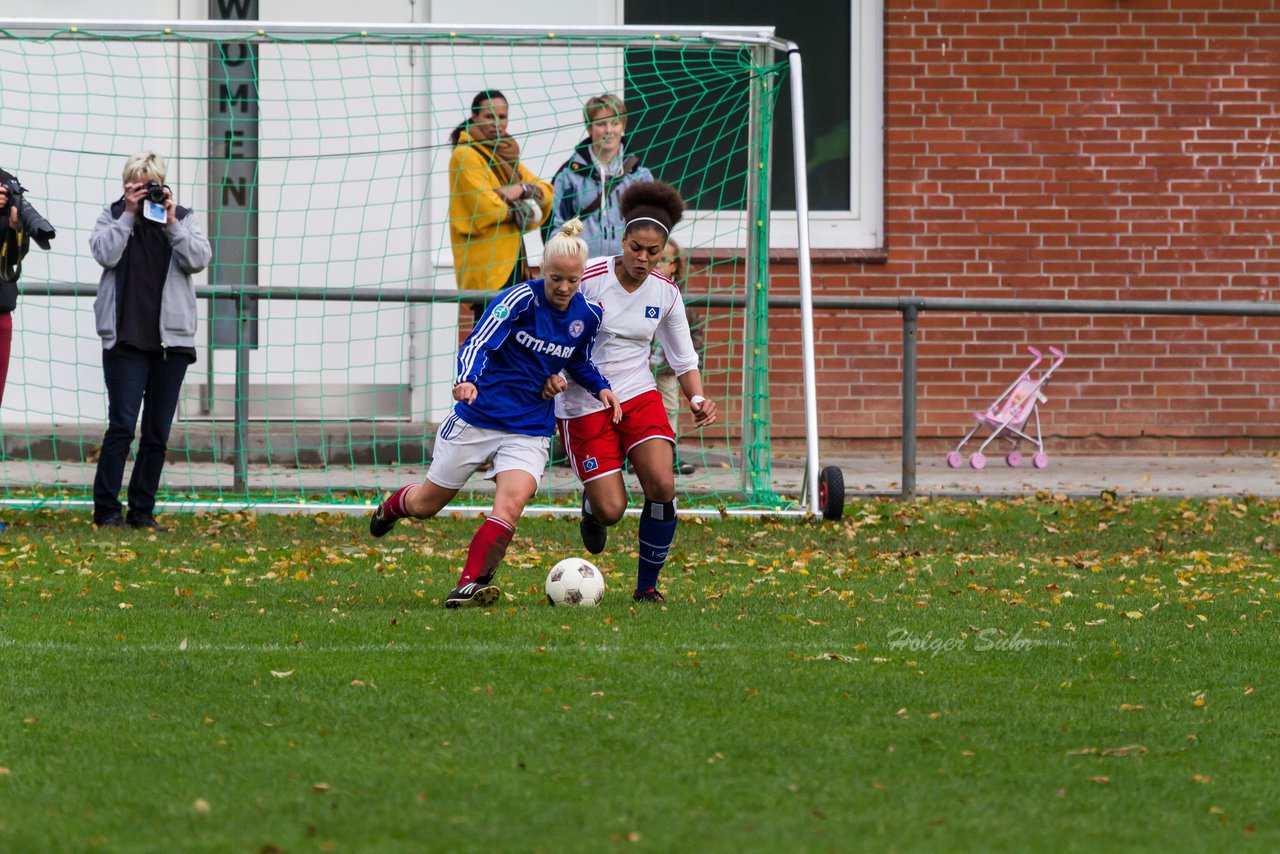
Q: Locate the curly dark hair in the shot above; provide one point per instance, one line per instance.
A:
(652, 199)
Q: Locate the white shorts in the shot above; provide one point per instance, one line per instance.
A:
(462, 448)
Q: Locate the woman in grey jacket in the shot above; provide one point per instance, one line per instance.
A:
(149, 247)
(589, 184)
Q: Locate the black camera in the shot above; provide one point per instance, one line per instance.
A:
(29, 219)
(155, 192)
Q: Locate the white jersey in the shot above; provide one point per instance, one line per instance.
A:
(623, 344)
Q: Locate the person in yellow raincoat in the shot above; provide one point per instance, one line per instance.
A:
(493, 199)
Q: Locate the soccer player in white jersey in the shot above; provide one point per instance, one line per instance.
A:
(508, 372)
(639, 305)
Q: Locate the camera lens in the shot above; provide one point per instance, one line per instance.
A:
(155, 192)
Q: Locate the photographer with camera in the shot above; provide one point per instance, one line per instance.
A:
(20, 223)
(149, 248)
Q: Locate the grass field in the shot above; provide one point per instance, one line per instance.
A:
(1036, 674)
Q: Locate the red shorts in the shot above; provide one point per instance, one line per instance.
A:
(596, 446)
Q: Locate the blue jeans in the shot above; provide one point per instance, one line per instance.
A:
(136, 380)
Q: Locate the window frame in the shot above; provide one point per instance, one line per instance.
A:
(861, 226)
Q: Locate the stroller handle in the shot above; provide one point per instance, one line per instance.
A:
(1036, 352)
(1057, 354)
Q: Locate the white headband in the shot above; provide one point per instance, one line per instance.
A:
(665, 230)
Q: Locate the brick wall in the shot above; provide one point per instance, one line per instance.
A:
(1070, 149)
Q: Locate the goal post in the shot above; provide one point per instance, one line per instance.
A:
(315, 158)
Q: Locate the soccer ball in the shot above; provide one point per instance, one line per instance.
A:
(574, 581)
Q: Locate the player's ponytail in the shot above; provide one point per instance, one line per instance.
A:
(566, 243)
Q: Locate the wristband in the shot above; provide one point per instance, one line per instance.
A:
(696, 399)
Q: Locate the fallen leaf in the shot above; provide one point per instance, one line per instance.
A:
(1100, 779)
(1134, 615)
(1129, 707)
(319, 787)
(1127, 750)
(281, 674)
(1200, 778)
(182, 647)
(201, 806)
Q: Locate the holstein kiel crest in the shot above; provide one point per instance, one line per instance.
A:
(576, 327)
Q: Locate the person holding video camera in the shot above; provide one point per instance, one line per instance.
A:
(20, 223)
(149, 248)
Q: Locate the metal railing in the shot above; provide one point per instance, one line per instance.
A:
(909, 307)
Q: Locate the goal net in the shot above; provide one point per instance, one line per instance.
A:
(330, 318)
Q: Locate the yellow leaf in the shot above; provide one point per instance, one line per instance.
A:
(201, 806)
(1100, 779)
(281, 674)
(1200, 778)
(1133, 615)
(1127, 750)
(1129, 707)
(319, 787)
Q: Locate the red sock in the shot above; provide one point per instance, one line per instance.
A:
(487, 549)
(393, 507)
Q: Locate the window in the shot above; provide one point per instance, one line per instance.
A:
(841, 51)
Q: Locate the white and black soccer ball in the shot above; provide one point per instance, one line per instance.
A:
(574, 581)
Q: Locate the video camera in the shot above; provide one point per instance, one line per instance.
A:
(30, 219)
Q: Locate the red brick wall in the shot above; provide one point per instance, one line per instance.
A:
(1069, 149)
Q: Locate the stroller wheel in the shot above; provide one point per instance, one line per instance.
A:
(1040, 460)
(1014, 459)
(955, 460)
(978, 461)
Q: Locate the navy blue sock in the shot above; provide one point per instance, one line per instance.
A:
(657, 530)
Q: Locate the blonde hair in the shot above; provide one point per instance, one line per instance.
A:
(604, 103)
(566, 243)
(145, 163)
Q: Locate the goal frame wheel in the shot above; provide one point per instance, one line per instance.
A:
(831, 493)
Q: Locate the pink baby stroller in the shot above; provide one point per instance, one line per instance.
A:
(1007, 417)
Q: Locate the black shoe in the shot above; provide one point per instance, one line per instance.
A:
(473, 594)
(650, 595)
(116, 521)
(681, 467)
(594, 535)
(378, 524)
(144, 520)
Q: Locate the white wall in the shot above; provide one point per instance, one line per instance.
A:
(328, 217)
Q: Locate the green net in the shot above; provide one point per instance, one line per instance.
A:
(330, 317)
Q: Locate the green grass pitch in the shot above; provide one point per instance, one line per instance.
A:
(1040, 674)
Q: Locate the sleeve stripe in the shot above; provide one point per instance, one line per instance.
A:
(490, 326)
